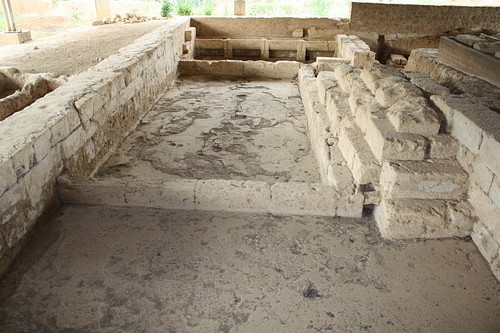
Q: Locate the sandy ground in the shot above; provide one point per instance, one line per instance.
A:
(238, 129)
(75, 50)
(95, 269)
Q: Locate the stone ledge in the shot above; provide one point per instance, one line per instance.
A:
(290, 198)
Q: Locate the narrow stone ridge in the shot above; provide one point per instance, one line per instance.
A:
(281, 198)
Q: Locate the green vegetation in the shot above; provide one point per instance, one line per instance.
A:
(184, 8)
(166, 8)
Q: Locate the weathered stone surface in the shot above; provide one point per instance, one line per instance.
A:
(325, 81)
(231, 195)
(398, 59)
(488, 47)
(412, 218)
(490, 149)
(8, 175)
(359, 158)
(495, 191)
(481, 175)
(487, 244)
(373, 74)
(341, 178)
(427, 84)
(486, 211)
(442, 146)
(414, 116)
(387, 144)
(468, 39)
(432, 179)
(394, 89)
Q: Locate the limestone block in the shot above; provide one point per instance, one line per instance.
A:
(40, 175)
(387, 144)
(398, 59)
(486, 242)
(371, 75)
(341, 73)
(466, 159)
(313, 199)
(363, 58)
(189, 34)
(226, 67)
(76, 140)
(359, 158)
(430, 179)
(395, 89)
(194, 67)
(481, 175)
(442, 146)
(258, 68)
(495, 191)
(41, 145)
(298, 33)
(10, 199)
(340, 177)
(7, 175)
(364, 111)
(409, 116)
(325, 81)
(24, 159)
(63, 126)
(286, 69)
(412, 218)
(428, 85)
(469, 40)
(485, 209)
(306, 72)
(232, 195)
(467, 119)
(490, 150)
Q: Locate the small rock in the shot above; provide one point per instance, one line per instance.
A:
(106, 20)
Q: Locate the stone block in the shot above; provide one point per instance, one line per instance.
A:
(286, 69)
(233, 196)
(371, 75)
(414, 116)
(7, 175)
(481, 175)
(412, 218)
(494, 193)
(74, 142)
(486, 242)
(359, 158)
(442, 146)
(466, 158)
(313, 199)
(488, 47)
(428, 85)
(12, 38)
(258, 69)
(387, 144)
(24, 159)
(398, 59)
(485, 209)
(41, 145)
(340, 177)
(226, 68)
(468, 39)
(13, 201)
(430, 179)
(395, 89)
(490, 151)
(194, 67)
(325, 81)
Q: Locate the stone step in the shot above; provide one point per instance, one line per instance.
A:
(429, 179)
(282, 198)
(417, 218)
(359, 157)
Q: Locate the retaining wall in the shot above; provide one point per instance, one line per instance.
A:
(75, 127)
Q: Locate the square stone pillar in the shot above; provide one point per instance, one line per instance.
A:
(102, 9)
(239, 7)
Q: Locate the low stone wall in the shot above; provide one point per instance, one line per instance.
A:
(75, 127)
(473, 119)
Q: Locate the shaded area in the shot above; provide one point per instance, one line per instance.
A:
(113, 269)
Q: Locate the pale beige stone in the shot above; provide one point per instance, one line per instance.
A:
(432, 179)
(325, 81)
(481, 175)
(359, 158)
(7, 175)
(494, 193)
(412, 218)
(486, 211)
(395, 89)
(340, 177)
(398, 59)
(490, 150)
(486, 242)
(371, 75)
(413, 116)
(298, 33)
(442, 146)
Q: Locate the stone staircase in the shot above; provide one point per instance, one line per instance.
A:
(376, 132)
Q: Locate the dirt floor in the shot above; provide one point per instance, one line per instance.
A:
(95, 269)
(75, 50)
(238, 129)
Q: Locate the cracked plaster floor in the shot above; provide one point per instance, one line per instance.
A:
(220, 129)
(96, 269)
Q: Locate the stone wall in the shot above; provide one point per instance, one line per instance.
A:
(473, 119)
(75, 127)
